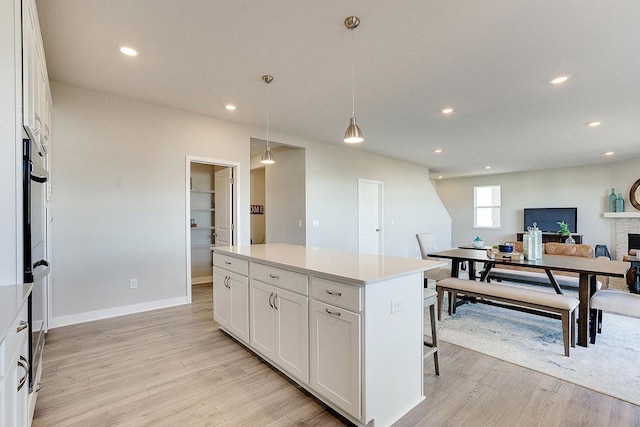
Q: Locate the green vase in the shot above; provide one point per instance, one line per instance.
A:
(619, 203)
(612, 200)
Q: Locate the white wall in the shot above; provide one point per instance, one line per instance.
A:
(119, 197)
(410, 203)
(285, 197)
(120, 191)
(586, 188)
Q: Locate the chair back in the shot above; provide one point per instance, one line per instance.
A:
(427, 244)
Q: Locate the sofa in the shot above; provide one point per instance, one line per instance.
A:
(534, 276)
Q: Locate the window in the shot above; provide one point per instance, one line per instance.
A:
(486, 206)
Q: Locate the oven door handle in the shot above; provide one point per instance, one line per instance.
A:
(39, 174)
(43, 271)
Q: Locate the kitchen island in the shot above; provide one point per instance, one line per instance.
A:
(345, 326)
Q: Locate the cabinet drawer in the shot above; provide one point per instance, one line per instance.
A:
(236, 265)
(12, 343)
(294, 282)
(336, 293)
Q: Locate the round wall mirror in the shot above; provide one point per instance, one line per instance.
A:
(634, 194)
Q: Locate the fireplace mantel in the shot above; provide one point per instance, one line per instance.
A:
(622, 214)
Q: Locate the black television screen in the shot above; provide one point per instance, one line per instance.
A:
(548, 218)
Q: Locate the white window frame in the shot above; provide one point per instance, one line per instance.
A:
(493, 205)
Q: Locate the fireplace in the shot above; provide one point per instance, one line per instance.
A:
(627, 231)
(633, 241)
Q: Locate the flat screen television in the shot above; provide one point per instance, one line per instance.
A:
(548, 218)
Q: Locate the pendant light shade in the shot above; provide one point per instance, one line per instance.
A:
(267, 157)
(353, 134)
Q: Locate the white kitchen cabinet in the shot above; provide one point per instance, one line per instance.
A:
(279, 327)
(336, 356)
(231, 302)
(361, 332)
(35, 80)
(14, 373)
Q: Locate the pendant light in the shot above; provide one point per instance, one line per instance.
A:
(353, 133)
(267, 157)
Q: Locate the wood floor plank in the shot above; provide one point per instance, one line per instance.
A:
(174, 367)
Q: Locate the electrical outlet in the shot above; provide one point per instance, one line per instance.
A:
(133, 283)
(396, 305)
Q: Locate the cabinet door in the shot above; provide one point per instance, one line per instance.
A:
(263, 319)
(336, 356)
(220, 297)
(238, 287)
(13, 402)
(292, 313)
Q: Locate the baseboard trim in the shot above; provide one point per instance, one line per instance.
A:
(201, 280)
(73, 319)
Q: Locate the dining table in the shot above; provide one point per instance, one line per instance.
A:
(586, 268)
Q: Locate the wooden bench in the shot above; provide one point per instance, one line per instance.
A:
(541, 303)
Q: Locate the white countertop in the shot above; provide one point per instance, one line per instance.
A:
(353, 266)
(12, 297)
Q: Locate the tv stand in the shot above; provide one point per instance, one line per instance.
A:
(553, 237)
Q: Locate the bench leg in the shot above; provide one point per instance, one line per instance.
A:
(599, 321)
(593, 325)
(566, 330)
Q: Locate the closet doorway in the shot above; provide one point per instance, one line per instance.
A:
(211, 215)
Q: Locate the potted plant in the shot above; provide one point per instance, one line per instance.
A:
(564, 231)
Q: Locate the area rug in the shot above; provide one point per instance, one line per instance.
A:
(611, 366)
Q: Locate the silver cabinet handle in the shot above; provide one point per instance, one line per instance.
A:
(22, 326)
(24, 364)
(274, 301)
(270, 303)
(339, 294)
(333, 313)
(227, 262)
(273, 276)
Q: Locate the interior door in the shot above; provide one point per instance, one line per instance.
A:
(369, 216)
(224, 207)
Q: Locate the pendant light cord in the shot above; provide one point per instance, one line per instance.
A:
(267, 115)
(353, 77)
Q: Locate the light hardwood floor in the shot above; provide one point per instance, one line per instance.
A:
(173, 367)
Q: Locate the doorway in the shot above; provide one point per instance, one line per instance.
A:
(211, 214)
(370, 202)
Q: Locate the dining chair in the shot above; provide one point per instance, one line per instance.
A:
(614, 302)
(427, 245)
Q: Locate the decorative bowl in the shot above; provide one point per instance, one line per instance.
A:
(505, 248)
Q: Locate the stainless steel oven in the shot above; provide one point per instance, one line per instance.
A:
(36, 265)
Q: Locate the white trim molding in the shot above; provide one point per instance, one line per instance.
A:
(89, 316)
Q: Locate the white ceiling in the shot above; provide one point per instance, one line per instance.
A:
(491, 60)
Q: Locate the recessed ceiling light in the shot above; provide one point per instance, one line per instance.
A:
(129, 51)
(487, 167)
(230, 107)
(594, 124)
(447, 110)
(609, 153)
(438, 150)
(559, 80)
(439, 176)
